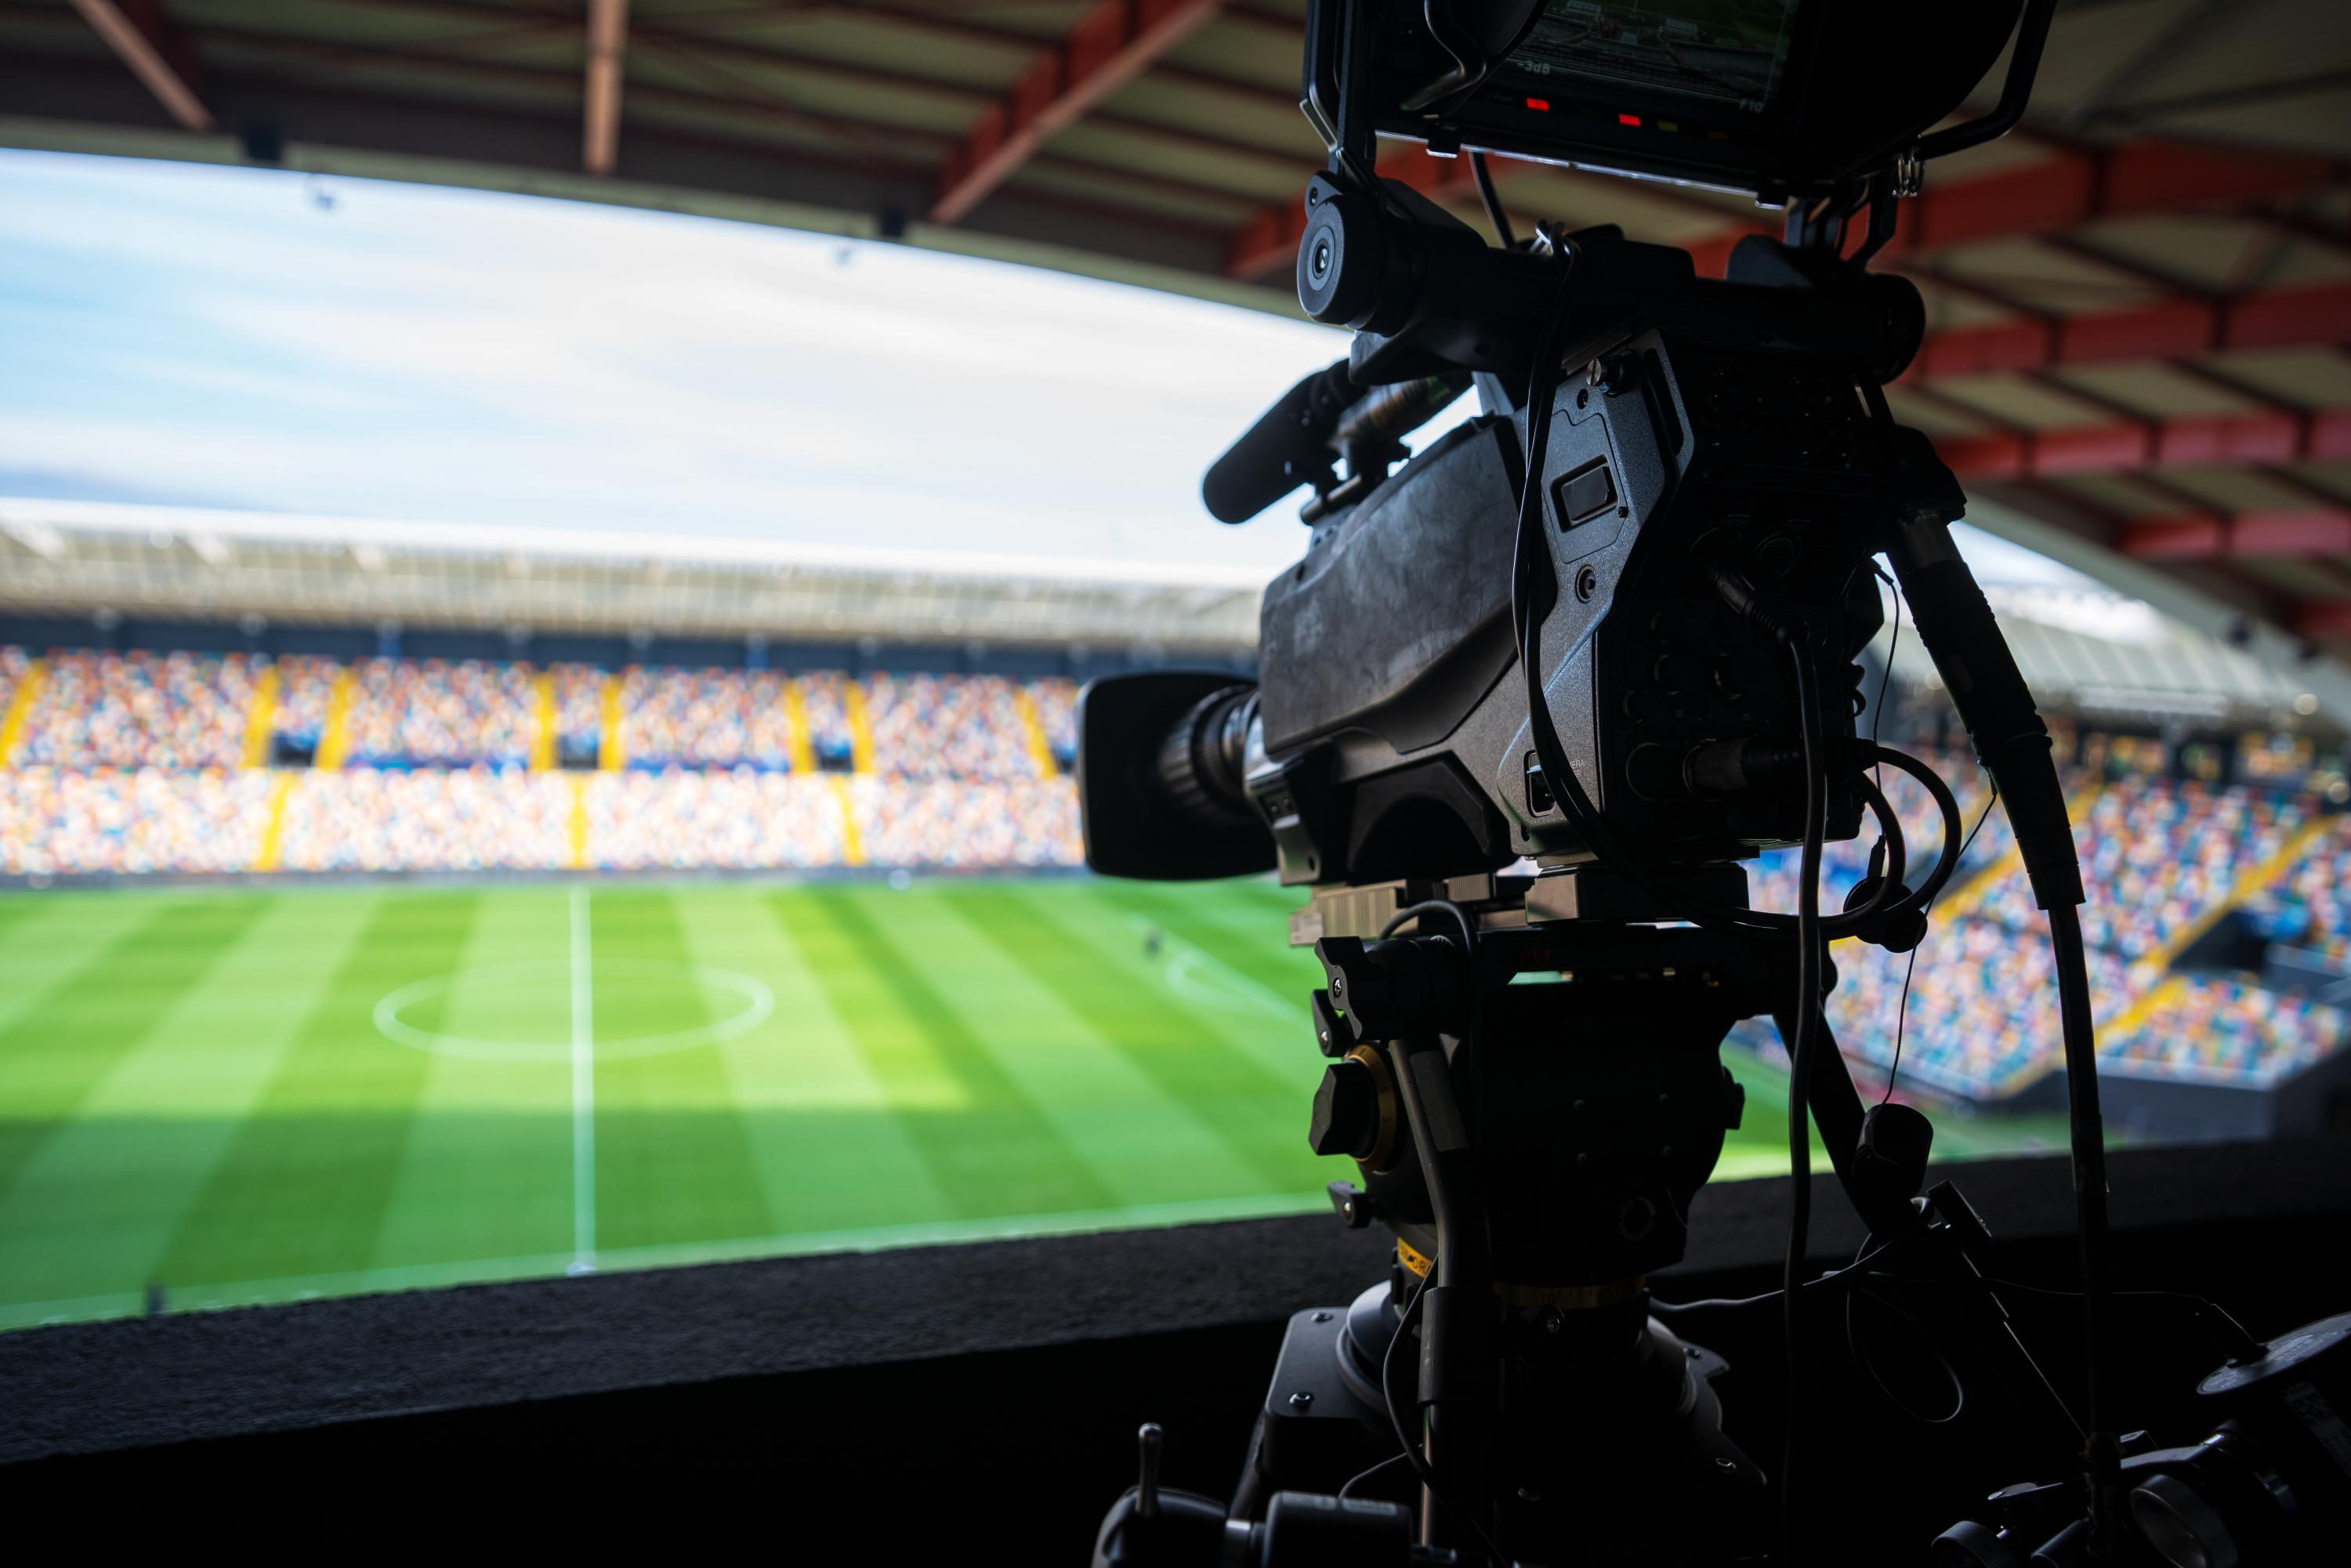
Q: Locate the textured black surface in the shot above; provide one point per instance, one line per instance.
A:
(94, 1387)
(81, 1388)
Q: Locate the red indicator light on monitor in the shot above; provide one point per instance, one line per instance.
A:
(1628, 119)
(1541, 103)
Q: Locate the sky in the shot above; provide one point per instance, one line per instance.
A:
(268, 341)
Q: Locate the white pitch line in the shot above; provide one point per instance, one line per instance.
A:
(583, 1091)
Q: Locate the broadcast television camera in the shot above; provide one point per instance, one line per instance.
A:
(1523, 707)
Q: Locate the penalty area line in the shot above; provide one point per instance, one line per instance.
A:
(583, 1090)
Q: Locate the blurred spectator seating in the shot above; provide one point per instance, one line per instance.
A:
(462, 819)
(959, 826)
(140, 710)
(1056, 697)
(738, 818)
(2222, 1029)
(947, 726)
(130, 821)
(436, 713)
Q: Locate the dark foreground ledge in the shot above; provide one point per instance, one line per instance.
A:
(89, 1389)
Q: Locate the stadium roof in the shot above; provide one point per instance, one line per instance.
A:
(2140, 301)
(2106, 658)
(170, 563)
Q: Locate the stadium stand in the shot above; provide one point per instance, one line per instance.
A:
(1057, 716)
(306, 685)
(992, 822)
(410, 713)
(947, 726)
(2226, 1029)
(130, 821)
(145, 763)
(400, 765)
(406, 819)
(706, 718)
(140, 710)
(738, 818)
(577, 692)
(2311, 905)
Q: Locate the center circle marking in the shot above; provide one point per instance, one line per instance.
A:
(758, 1005)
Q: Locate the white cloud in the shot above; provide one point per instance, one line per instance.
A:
(215, 333)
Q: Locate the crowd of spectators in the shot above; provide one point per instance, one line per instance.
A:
(14, 665)
(2155, 853)
(963, 824)
(735, 819)
(2219, 1028)
(306, 687)
(824, 694)
(1056, 697)
(440, 713)
(140, 710)
(2158, 855)
(579, 708)
(673, 718)
(427, 819)
(130, 821)
(2310, 906)
(947, 726)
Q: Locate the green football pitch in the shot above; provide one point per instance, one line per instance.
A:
(240, 1095)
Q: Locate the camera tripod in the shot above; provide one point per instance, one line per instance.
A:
(1505, 1393)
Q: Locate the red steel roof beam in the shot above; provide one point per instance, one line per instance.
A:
(2268, 438)
(2075, 186)
(607, 42)
(158, 56)
(2287, 533)
(1109, 46)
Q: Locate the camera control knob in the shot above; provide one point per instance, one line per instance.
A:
(1342, 254)
(1968, 1544)
(2181, 1524)
(1356, 1110)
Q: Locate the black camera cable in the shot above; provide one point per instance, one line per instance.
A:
(1529, 560)
(1412, 1454)
(1435, 907)
(1492, 200)
(1811, 948)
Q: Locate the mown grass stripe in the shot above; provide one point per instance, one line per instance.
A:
(672, 1157)
(305, 1187)
(1144, 1144)
(52, 940)
(830, 1155)
(993, 1152)
(1253, 990)
(54, 1053)
(1261, 1113)
(484, 1170)
(98, 1203)
(1263, 953)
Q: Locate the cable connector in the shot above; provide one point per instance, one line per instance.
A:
(1753, 607)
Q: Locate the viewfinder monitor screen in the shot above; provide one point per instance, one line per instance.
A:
(1731, 55)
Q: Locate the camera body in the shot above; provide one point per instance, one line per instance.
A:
(1710, 430)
